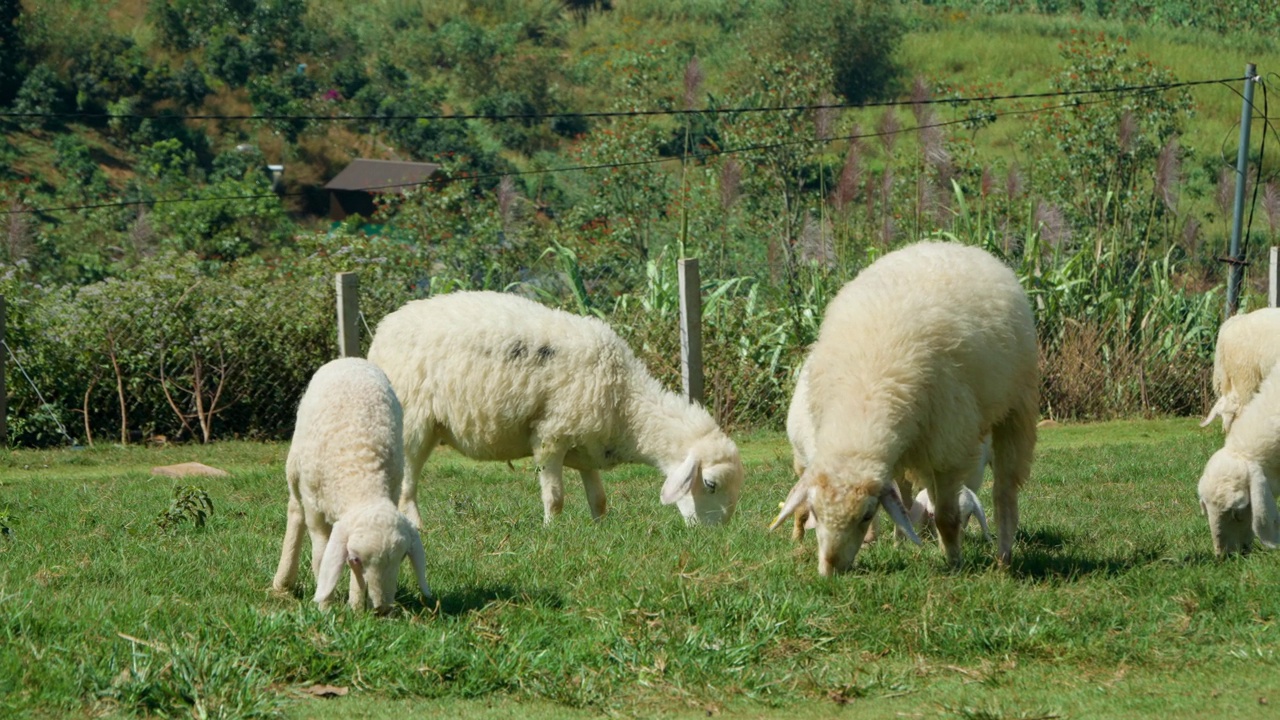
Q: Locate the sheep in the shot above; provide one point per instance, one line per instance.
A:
(927, 349)
(800, 432)
(344, 472)
(1237, 489)
(500, 377)
(1248, 347)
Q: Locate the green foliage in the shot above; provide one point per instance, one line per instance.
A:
(40, 93)
(858, 40)
(189, 504)
(11, 50)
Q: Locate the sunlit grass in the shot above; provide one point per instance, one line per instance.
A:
(1113, 602)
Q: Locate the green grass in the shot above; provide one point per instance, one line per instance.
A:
(1114, 606)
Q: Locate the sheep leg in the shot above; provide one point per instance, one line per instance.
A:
(550, 460)
(418, 446)
(319, 541)
(287, 570)
(595, 492)
(1013, 443)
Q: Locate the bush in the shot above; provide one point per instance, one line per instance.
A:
(41, 93)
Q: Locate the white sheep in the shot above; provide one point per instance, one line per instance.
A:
(1238, 486)
(926, 350)
(801, 434)
(344, 470)
(499, 377)
(1248, 347)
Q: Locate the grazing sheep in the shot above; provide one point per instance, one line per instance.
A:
(928, 348)
(1248, 347)
(1237, 489)
(499, 377)
(344, 469)
(801, 433)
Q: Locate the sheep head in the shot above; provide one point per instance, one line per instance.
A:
(705, 487)
(1236, 498)
(372, 542)
(842, 508)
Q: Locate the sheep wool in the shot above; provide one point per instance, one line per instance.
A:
(919, 357)
(344, 472)
(1238, 487)
(500, 377)
(800, 433)
(1248, 347)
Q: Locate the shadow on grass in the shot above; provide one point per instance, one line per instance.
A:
(473, 599)
(1050, 552)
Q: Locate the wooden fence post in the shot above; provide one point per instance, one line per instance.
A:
(348, 287)
(1273, 279)
(691, 329)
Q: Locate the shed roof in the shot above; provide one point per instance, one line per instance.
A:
(382, 176)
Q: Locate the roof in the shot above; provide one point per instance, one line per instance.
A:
(382, 176)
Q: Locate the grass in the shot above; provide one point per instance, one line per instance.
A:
(1114, 607)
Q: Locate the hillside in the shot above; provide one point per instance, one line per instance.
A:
(583, 145)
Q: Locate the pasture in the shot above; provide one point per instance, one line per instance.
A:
(1114, 605)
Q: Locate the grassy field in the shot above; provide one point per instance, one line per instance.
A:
(1114, 607)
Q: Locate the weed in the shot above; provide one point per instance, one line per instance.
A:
(190, 503)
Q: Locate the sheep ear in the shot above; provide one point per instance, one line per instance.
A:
(798, 496)
(335, 556)
(980, 514)
(1266, 519)
(680, 482)
(892, 503)
(418, 557)
(1214, 412)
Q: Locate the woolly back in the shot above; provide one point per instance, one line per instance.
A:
(470, 359)
(1255, 435)
(347, 443)
(1248, 346)
(927, 338)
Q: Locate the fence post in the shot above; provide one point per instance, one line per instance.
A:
(691, 329)
(348, 287)
(1236, 259)
(1273, 279)
(4, 388)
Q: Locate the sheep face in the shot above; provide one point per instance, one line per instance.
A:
(372, 545)
(706, 486)
(842, 513)
(1237, 501)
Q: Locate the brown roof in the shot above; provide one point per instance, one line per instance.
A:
(382, 176)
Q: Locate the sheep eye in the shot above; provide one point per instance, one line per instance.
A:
(710, 485)
(871, 515)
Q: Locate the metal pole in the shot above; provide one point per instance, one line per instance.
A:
(348, 314)
(1273, 279)
(691, 329)
(1236, 258)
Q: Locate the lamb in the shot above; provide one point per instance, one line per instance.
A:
(922, 513)
(1237, 489)
(929, 348)
(1248, 347)
(801, 433)
(344, 470)
(500, 377)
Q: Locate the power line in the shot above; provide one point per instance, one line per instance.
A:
(567, 168)
(627, 113)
